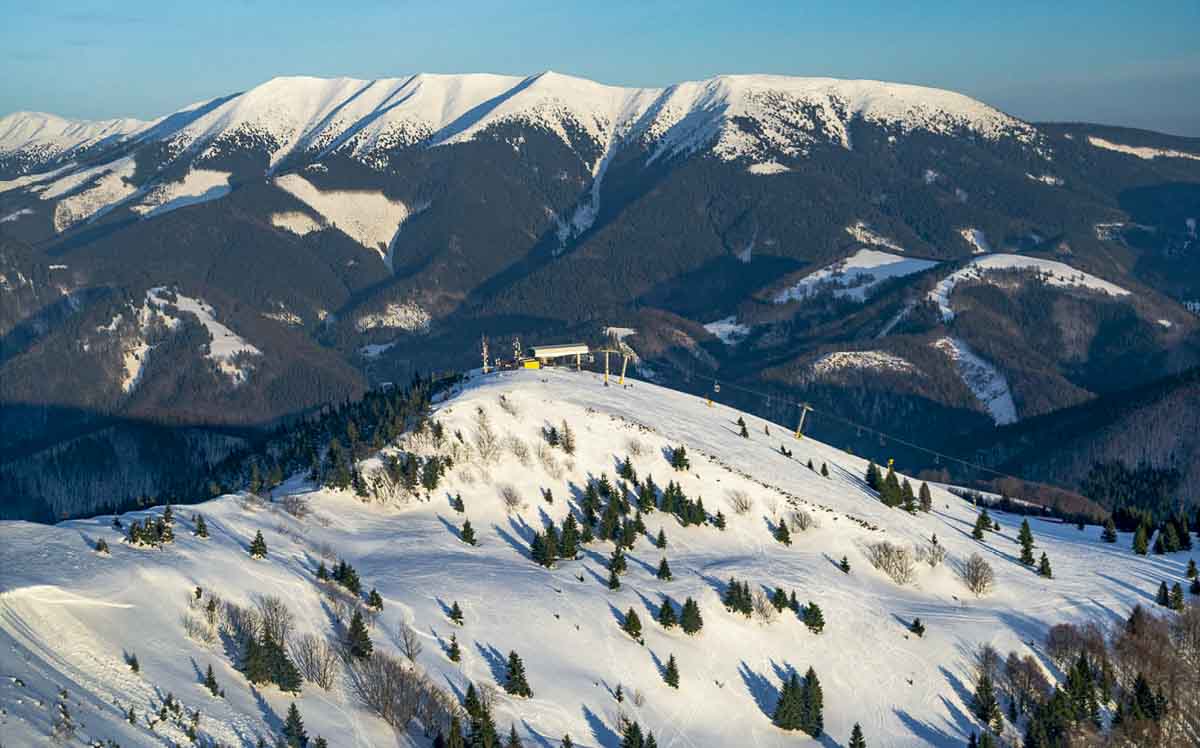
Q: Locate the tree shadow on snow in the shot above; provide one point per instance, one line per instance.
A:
(514, 543)
(454, 529)
(603, 734)
(497, 663)
(927, 733)
(541, 739)
(762, 690)
(1142, 594)
(960, 689)
(274, 723)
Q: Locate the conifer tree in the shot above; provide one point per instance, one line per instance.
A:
(679, 458)
(782, 534)
(742, 431)
(666, 615)
(1044, 567)
(1159, 547)
(671, 673)
(907, 499)
(664, 570)
(614, 581)
(845, 565)
(872, 478)
(661, 541)
(1110, 531)
(322, 572)
(258, 546)
(632, 625)
(719, 520)
(616, 562)
(375, 600)
(690, 620)
(824, 470)
(1025, 538)
(210, 681)
(201, 530)
(1140, 542)
(101, 546)
(1191, 568)
(982, 523)
(779, 599)
(454, 652)
(293, 729)
(569, 539)
(856, 736)
(1176, 601)
(788, 711)
(567, 742)
(813, 618)
(917, 627)
(1195, 588)
(1163, 597)
(456, 614)
(513, 741)
(468, 532)
(358, 638)
(515, 682)
(925, 498)
(984, 704)
(631, 736)
(812, 705)
(456, 503)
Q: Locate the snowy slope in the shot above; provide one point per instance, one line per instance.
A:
(67, 615)
(985, 381)
(854, 277)
(1050, 272)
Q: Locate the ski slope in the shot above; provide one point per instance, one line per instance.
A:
(67, 614)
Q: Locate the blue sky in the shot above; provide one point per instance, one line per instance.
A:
(1135, 64)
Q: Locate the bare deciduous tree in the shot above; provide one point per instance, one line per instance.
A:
(508, 406)
(763, 608)
(518, 448)
(410, 641)
(977, 575)
(275, 620)
(740, 501)
(802, 520)
(487, 446)
(893, 560)
(635, 447)
(510, 497)
(931, 553)
(315, 658)
(295, 505)
(386, 686)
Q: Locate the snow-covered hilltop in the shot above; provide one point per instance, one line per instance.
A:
(368, 118)
(72, 619)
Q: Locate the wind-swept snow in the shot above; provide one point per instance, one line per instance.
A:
(1050, 272)
(90, 193)
(197, 186)
(67, 615)
(1143, 152)
(370, 218)
(986, 382)
(728, 330)
(43, 137)
(855, 277)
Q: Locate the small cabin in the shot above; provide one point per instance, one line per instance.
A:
(547, 355)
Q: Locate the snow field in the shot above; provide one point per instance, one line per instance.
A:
(66, 613)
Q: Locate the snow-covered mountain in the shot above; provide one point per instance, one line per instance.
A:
(742, 225)
(71, 619)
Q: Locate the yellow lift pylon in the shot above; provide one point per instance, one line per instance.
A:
(624, 363)
(804, 409)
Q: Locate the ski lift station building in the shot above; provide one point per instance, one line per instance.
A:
(546, 354)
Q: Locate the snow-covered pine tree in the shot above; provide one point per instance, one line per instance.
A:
(925, 497)
(514, 681)
(813, 618)
(454, 652)
(671, 672)
(210, 681)
(812, 705)
(456, 614)
(468, 533)
(1025, 538)
(1044, 567)
(661, 540)
(632, 625)
(375, 600)
(690, 620)
(666, 615)
(782, 534)
(294, 735)
(664, 570)
(258, 546)
(358, 640)
(856, 737)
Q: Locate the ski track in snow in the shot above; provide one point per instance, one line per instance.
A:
(67, 614)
